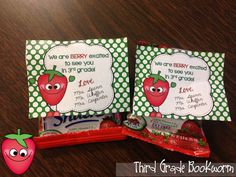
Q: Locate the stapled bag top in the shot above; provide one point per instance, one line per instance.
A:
(83, 77)
(180, 84)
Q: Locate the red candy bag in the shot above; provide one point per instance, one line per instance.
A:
(184, 136)
(70, 130)
(162, 109)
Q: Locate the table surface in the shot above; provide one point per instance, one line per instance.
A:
(194, 25)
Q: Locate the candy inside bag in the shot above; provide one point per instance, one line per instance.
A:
(184, 136)
(70, 130)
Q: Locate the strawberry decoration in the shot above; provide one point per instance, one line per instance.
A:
(18, 152)
(52, 86)
(156, 89)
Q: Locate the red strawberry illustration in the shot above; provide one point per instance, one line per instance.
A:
(18, 152)
(52, 86)
(156, 89)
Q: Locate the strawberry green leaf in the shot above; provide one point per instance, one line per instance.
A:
(71, 78)
(21, 142)
(172, 84)
(162, 78)
(11, 136)
(52, 73)
(20, 138)
(25, 136)
(157, 77)
(58, 73)
(51, 76)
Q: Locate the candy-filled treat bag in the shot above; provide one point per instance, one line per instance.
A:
(184, 136)
(173, 89)
(74, 83)
(70, 130)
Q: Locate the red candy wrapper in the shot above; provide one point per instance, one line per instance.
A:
(184, 136)
(71, 130)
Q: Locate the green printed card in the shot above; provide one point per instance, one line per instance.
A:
(83, 77)
(179, 84)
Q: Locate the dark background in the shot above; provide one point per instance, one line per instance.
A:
(194, 25)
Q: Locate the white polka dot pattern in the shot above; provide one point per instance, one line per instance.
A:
(35, 53)
(215, 61)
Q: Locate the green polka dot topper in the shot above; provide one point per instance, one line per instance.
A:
(82, 77)
(179, 84)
